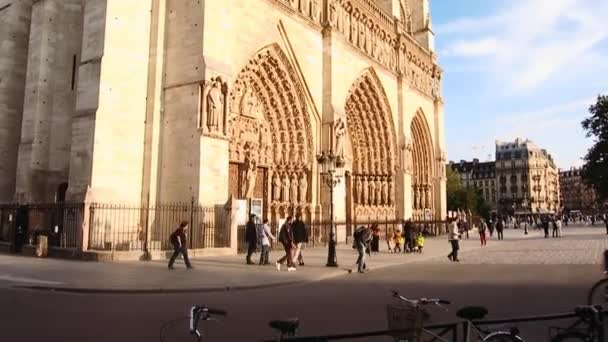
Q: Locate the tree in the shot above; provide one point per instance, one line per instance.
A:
(459, 197)
(595, 170)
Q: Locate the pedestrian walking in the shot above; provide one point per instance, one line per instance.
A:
(286, 239)
(300, 237)
(398, 240)
(178, 239)
(454, 237)
(606, 222)
(492, 226)
(362, 238)
(525, 224)
(545, 223)
(500, 226)
(419, 242)
(558, 223)
(251, 237)
(375, 246)
(483, 230)
(265, 236)
(408, 234)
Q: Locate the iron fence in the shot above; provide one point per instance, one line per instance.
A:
(148, 227)
(60, 222)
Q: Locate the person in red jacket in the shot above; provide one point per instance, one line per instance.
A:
(178, 239)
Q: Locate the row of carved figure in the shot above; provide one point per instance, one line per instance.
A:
(290, 187)
(374, 190)
(422, 197)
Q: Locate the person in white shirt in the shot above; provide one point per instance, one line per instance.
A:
(265, 236)
(454, 237)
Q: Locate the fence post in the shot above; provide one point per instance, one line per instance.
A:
(87, 222)
(191, 235)
(146, 226)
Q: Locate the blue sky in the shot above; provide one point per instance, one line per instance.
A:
(520, 68)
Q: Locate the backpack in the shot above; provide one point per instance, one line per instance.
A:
(357, 232)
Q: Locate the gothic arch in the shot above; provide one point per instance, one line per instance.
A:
(373, 141)
(270, 128)
(423, 166)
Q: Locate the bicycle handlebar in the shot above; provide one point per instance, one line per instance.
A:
(204, 313)
(422, 301)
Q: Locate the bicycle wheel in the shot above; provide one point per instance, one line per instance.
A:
(502, 336)
(598, 295)
(570, 336)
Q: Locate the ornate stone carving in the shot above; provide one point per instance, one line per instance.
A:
(276, 188)
(286, 184)
(251, 171)
(365, 192)
(359, 190)
(340, 135)
(372, 191)
(303, 184)
(214, 106)
(391, 192)
(385, 200)
(294, 188)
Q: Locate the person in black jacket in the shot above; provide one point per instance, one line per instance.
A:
(300, 237)
(178, 239)
(251, 237)
(408, 235)
(286, 239)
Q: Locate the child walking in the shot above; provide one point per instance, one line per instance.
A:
(419, 242)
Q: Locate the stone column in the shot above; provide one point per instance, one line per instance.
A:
(14, 37)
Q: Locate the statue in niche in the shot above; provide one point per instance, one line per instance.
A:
(302, 154)
(251, 172)
(276, 188)
(359, 190)
(378, 191)
(428, 197)
(384, 191)
(277, 153)
(365, 192)
(372, 191)
(304, 7)
(391, 192)
(215, 104)
(250, 104)
(294, 189)
(286, 184)
(340, 134)
(303, 187)
(284, 152)
(315, 10)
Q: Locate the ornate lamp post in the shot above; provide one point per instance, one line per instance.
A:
(332, 167)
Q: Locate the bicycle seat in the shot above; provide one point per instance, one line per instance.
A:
(472, 313)
(289, 326)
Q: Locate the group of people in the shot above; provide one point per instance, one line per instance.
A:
(409, 240)
(292, 236)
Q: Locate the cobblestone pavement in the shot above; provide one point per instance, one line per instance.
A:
(578, 245)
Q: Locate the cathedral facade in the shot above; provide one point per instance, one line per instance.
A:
(179, 100)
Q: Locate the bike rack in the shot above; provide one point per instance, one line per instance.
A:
(444, 328)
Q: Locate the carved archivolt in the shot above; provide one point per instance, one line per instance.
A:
(423, 165)
(269, 119)
(373, 141)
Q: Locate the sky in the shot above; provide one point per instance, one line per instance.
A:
(520, 68)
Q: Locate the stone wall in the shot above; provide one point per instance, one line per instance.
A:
(14, 33)
(50, 95)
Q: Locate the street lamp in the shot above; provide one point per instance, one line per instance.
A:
(331, 172)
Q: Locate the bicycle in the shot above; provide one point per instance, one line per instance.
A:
(414, 331)
(197, 313)
(591, 318)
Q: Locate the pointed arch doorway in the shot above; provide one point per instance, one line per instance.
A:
(423, 201)
(271, 142)
(370, 184)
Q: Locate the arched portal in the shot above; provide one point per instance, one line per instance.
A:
(271, 144)
(373, 140)
(422, 156)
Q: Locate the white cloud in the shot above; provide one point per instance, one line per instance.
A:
(528, 43)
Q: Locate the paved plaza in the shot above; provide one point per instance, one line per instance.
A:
(579, 245)
(522, 275)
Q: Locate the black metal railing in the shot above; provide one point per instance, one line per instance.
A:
(148, 227)
(60, 222)
(455, 331)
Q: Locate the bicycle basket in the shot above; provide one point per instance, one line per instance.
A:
(407, 320)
